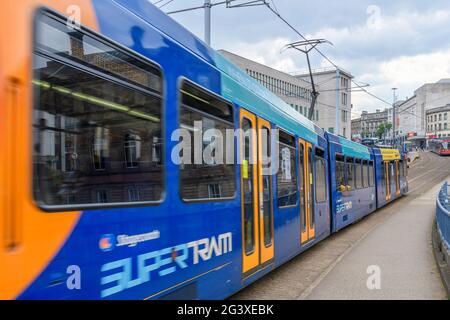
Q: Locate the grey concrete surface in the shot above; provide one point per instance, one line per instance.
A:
(401, 249)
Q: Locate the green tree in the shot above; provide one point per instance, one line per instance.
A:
(388, 127)
(365, 134)
(381, 130)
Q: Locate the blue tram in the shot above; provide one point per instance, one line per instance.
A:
(95, 205)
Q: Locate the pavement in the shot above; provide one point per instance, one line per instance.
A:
(397, 239)
(400, 250)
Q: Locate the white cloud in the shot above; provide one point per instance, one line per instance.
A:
(407, 32)
(267, 52)
(413, 71)
(404, 50)
(406, 73)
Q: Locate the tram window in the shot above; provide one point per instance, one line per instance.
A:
(391, 171)
(311, 196)
(320, 182)
(365, 174)
(371, 174)
(211, 117)
(383, 173)
(248, 186)
(301, 166)
(340, 173)
(405, 168)
(287, 189)
(56, 38)
(349, 164)
(267, 186)
(94, 139)
(358, 174)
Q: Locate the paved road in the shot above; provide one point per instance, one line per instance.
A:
(396, 238)
(400, 250)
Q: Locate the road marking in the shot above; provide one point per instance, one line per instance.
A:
(424, 174)
(430, 181)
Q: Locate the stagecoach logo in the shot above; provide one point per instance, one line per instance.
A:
(341, 207)
(108, 241)
(118, 275)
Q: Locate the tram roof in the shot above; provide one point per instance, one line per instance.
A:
(351, 148)
(390, 154)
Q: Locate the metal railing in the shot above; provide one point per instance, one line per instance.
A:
(443, 214)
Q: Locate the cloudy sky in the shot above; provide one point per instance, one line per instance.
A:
(402, 43)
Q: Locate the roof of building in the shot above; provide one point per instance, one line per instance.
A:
(228, 53)
(320, 71)
(439, 109)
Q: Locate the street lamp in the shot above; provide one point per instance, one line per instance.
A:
(393, 115)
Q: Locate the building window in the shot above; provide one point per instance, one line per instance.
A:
(344, 117)
(134, 195)
(212, 117)
(214, 191)
(100, 148)
(83, 110)
(133, 149)
(344, 98)
(102, 196)
(157, 150)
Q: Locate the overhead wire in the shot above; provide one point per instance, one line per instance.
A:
(322, 54)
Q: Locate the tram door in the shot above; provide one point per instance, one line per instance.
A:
(307, 223)
(388, 180)
(256, 192)
(397, 179)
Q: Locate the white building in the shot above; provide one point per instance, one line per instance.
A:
(438, 122)
(412, 113)
(335, 97)
(296, 91)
